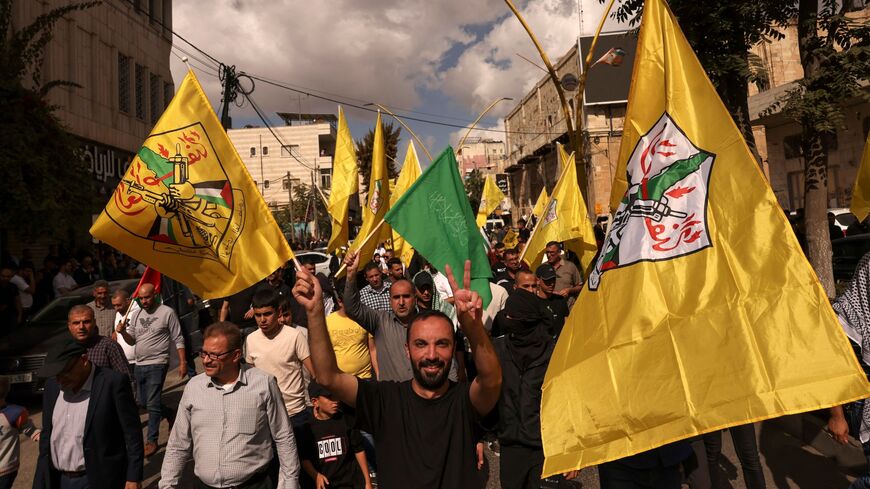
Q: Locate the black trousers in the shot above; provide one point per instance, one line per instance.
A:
(520, 467)
(746, 447)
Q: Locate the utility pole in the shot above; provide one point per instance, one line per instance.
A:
(290, 207)
(314, 199)
(228, 77)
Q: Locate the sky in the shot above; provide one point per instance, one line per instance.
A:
(442, 60)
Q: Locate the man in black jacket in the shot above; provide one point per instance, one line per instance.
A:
(91, 436)
(524, 353)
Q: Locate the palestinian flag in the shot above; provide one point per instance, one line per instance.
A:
(153, 277)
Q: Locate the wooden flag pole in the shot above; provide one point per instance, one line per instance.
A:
(365, 240)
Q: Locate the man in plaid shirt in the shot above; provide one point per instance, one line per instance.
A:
(375, 295)
(102, 351)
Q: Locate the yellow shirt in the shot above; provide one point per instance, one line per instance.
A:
(351, 344)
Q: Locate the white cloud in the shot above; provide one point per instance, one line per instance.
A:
(490, 68)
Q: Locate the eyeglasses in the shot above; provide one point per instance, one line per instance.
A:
(213, 356)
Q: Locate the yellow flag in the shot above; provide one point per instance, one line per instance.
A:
(860, 206)
(511, 239)
(701, 312)
(345, 183)
(490, 199)
(541, 203)
(410, 171)
(563, 219)
(377, 201)
(188, 208)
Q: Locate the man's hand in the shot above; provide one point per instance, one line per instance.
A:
(182, 369)
(249, 313)
(133, 485)
(322, 481)
(564, 292)
(121, 327)
(571, 475)
(468, 304)
(839, 429)
(479, 451)
(351, 262)
(307, 291)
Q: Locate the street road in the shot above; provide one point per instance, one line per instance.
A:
(788, 463)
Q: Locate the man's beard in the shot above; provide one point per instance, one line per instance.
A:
(427, 381)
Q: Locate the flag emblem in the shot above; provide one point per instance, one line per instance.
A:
(550, 215)
(178, 196)
(375, 200)
(663, 214)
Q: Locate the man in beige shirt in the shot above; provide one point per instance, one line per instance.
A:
(569, 282)
(281, 351)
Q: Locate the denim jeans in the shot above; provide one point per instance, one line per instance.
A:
(863, 482)
(149, 379)
(746, 447)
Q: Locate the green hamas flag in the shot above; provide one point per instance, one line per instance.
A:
(435, 217)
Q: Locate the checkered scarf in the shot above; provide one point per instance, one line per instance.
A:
(854, 305)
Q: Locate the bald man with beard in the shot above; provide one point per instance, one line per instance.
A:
(151, 331)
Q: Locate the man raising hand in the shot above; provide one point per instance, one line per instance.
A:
(424, 426)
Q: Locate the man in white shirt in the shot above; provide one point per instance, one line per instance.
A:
(63, 282)
(23, 279)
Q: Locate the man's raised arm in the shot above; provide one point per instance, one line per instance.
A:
(355, 309)
(307, 292)
(486, 387)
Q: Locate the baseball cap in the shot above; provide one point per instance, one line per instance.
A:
(317, 390)
(423, 278)
(545, 272)
(59, 356)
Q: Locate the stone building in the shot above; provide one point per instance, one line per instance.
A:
(537, 124)
(303, 153)
(118, 53)
(778, 137)
(482, 154)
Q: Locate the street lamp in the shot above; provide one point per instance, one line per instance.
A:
(423, 146)
(487, 109)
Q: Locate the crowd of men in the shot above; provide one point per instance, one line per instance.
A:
(390, 375)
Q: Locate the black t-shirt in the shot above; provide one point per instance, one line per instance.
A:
(240, 302)
(300, 317)
(331, 446)
(557, 306)
(421, 443)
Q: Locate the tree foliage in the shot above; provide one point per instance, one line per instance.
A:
(364, 148)
(304, 204)
(721, 34)
(474, 188)
(44, 175)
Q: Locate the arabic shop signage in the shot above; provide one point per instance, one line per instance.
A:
(106, 162)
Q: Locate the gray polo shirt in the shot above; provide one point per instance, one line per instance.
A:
(154, 332)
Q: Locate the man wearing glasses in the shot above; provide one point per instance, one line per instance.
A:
(231, 420)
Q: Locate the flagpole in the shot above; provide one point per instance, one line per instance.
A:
(363, 243)
(414, 135)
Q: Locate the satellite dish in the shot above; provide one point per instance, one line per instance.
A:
(569, 82)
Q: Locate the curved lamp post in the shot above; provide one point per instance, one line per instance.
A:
(422, 146)
(473, 124)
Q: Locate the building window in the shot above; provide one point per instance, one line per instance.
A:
(168, 93)
(265, 151)
(289, 150)
(253, 151)
(137, 5)
(791, 146)
(325, 178)
(154, 98)
(140, 92)
(265, 184)
(152, 10)
(123, 83)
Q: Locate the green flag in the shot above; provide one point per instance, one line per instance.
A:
(435, 217)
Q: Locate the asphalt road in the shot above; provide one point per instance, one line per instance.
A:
(788, 463)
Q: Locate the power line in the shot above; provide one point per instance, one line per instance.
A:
(269, 127)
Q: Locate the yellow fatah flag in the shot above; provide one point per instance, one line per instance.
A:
(490, 199)
(345, 184)
(511, 239)
(410, 171)
(541, 203)
(564, 219)
(701, 312)
(188, 207)
(860, 206)
(377, 201)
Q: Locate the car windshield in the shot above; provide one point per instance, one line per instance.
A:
(57, 310)
(846, 219)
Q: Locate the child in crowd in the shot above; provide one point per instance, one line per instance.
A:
(13, 422)
(332, 453)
